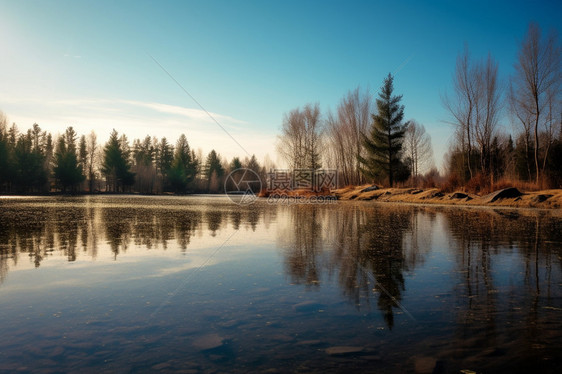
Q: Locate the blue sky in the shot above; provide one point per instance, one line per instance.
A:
(88, 64)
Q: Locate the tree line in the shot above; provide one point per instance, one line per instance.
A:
(36, 162)
(369, 141)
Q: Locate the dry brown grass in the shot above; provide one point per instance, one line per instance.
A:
(452, 183)
(520, 185)
(296, 192)
(544, 199)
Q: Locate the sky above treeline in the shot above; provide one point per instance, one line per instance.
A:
(99, 65)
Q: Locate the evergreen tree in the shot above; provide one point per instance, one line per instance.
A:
(253, 164)
(29, 171)
(67, 169)
(214, 171)
(384, 144)
(235, 164)
(143, 156)
(83, 153)
(164, 159)
(213, 164)
(116, 166)
(183, 169)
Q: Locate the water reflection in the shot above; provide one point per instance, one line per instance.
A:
(368, 248)
(473, 289)
(67, 229)
(504, 263)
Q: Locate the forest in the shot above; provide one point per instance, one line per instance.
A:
(506, 132)
(34, 162)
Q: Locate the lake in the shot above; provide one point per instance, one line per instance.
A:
(198, 284)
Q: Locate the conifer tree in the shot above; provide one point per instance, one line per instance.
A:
(183, 168)
(116, 165)
(67, 169)
(384, 143)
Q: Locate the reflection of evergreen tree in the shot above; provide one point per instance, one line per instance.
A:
(214, 220)
(118, 228)
(253, 218)
(235, 218)
(68, 232)
(185, 225)
(368, 251)
(383, 255)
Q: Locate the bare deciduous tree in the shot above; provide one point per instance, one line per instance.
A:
(461, 105)
(487, 105)
(418, 150)
(475, 108)
(300, 141)
(344, 132)
(551, 124)
(521, 117)
(537, 78)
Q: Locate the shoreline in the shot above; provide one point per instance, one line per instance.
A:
(508, 198)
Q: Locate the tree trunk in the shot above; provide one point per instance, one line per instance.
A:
(537, 141)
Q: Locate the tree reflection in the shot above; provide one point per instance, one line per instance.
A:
(303, 242)
(484, 241)
(383, 256)
(369, 248)
(118, 228)
(214, 221)
(184, 225)
(23, 231)
(85, 225)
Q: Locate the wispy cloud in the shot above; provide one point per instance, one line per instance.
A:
(182, 111)
(137, 119)
(97, 107)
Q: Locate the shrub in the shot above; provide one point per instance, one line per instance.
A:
(452, 183)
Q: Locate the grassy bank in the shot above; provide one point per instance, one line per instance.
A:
(510, 197)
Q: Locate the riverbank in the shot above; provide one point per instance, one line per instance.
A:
(509, 197)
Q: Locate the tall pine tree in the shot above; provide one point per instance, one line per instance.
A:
(183, 169)
(67, 169)
(116, 165)
(384, 143)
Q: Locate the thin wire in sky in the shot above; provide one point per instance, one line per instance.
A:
(197, 102)
(406, 61)
(400, 67)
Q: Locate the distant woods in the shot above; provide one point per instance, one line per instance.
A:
(36, 162)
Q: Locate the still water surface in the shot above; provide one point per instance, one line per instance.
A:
(200, 285)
